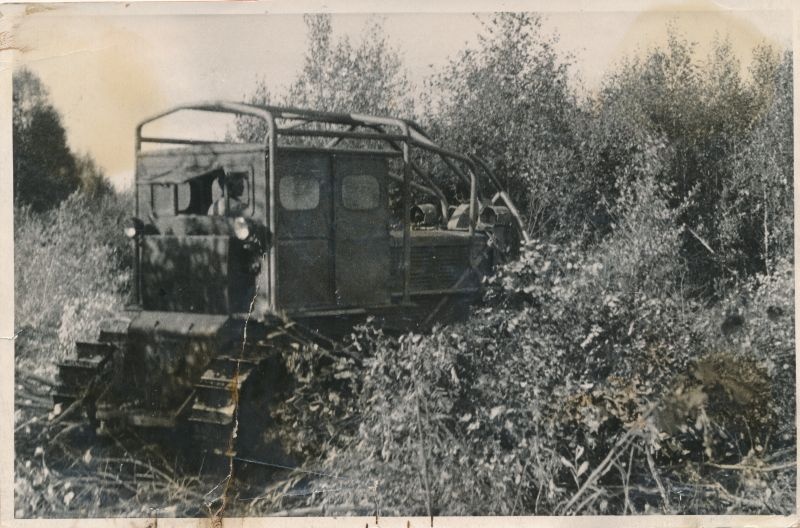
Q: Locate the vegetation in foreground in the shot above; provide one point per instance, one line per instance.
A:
(638, 358)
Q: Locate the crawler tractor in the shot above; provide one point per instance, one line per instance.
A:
(243, 249)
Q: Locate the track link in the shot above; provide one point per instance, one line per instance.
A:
(78, 378)
(212, 416)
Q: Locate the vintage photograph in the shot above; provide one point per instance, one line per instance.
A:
(402, 263)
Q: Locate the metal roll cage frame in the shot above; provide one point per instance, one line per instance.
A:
(410, 135)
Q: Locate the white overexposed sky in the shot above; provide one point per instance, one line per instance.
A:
(107, 66)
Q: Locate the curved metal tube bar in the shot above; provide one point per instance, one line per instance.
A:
(411, 134)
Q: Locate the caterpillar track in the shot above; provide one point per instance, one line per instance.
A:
(213, 415)
(226, 411)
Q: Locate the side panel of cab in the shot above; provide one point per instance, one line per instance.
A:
(304, 204)
(362, 230)
(332, 225)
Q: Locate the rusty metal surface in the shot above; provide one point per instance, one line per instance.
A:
(112, 329)
(175, 166)
(176, 174)
(304, 266)
(188, 225)
(437, 237)
(305, 273)
(434, 267)
(305, 223)
(180, 324)
(332, 254)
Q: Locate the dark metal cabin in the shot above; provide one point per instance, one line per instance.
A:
(323, 225)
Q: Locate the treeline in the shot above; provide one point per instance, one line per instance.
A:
(718, 143)
(639, 356)
(71, 262)
(46, 170)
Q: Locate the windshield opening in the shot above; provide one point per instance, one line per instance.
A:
(215, 193)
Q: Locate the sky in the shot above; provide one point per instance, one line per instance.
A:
(107, 67)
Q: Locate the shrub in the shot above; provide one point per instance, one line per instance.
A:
(71, 269)
(584, 370)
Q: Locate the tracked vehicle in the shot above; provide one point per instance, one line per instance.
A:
(244, 249)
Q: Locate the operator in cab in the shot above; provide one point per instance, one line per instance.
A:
(230, 203)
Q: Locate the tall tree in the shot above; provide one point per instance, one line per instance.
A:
(508, 100)
(45, 171)
(340, 75)
(717, 134)
(94, 183)
(756, 208)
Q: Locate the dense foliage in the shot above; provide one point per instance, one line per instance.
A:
(339, 75)
(46, 171)
(515, 85)
(638, 357)
(71, 268)
(711, 123)
(587, 383)
(696, 124)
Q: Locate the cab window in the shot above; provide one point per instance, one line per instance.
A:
(361, 192)
(197, 195)
(238, 184)
(299, 192)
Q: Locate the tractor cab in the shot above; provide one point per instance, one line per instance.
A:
(317, 220)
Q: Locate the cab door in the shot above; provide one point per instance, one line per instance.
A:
(361, 230)
(305, 230)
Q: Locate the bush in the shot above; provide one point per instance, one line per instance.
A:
(71, 269)
(588, 383)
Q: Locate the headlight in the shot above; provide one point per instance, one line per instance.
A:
(133, 227)
(241, 228)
